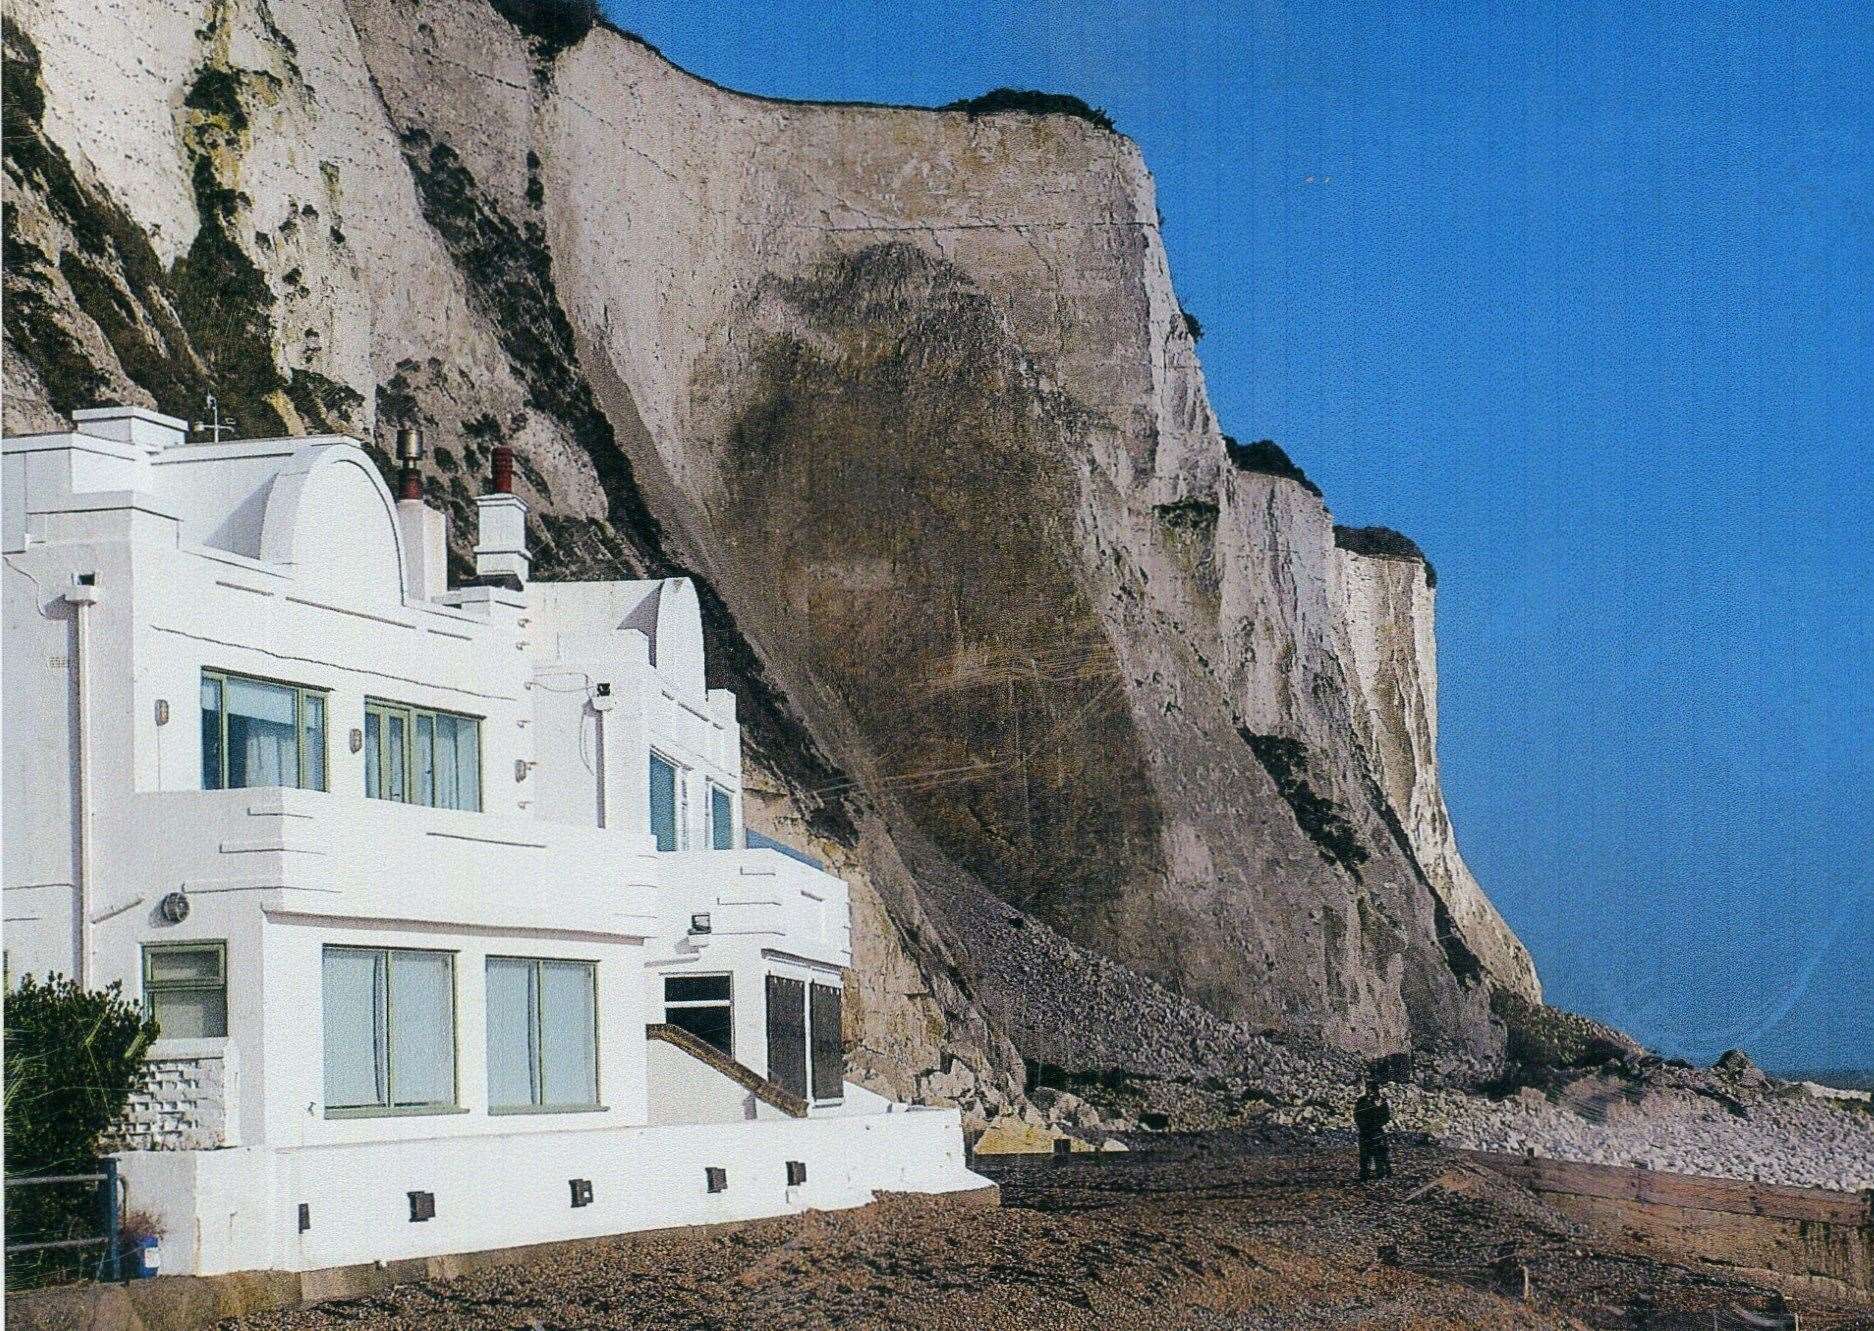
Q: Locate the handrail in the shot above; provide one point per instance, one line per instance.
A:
(741, 1074)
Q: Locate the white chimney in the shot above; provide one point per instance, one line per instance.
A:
(501, 539)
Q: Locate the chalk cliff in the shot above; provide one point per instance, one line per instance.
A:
(908, 392)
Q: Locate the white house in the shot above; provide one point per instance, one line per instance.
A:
(441, 896)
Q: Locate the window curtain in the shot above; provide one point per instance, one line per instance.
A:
(422, 1028)
(513, 1058)
(355, 1069)
(568, 1056)
(213, 776)
(263, 739)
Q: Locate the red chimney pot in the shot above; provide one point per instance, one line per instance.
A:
(504, 470)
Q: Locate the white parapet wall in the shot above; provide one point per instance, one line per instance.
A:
(239, 1209)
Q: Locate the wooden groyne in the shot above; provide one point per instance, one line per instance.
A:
(1806, 1233)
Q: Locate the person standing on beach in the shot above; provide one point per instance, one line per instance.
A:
(1371, 1114)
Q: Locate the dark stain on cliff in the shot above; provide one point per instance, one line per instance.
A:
(905, 478)
(1324, 821)
(510, 283)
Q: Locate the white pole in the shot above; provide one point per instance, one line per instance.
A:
(82, 598)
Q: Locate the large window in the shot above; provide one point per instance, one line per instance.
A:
(185, 988)
(829, 1056)
(701, 1005)
(389, 1031)
(787, 1033)
(721, 818)
(665, 822)
(543, 1043)
(418, 756)
(257, 733)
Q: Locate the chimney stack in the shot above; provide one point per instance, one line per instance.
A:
(425, 538)
(409, 453)
(501, 556)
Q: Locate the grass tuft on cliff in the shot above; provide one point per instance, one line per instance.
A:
(1384, 543)
(1000, 100)
(1266, 457)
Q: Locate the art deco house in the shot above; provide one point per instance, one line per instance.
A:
(441, 895)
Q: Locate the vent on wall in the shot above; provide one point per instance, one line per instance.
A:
(422, 1206)
(717, 1178)
(305, 1216)
(582, 1191)
(796, 1173)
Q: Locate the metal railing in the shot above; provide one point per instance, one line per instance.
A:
(109, 1214)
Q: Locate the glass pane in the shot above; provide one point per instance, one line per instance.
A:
(468, 763)
(829, 1073)
(263, 748)
(721, 819)
(354, 1028)
(711, 1025)
(512, 1056)
(568, 1038)
(199, 965)
(214, 777)
(396, 756)
(663, 803)
(422, 1028)
(313, 709)
(696, 988)
(373, 779)
(189, 1014)
(427, 730)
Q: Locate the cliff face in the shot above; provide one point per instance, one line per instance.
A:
(911, 396)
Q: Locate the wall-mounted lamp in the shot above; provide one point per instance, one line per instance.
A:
(520, 769)
(162, 711)
(357, 739)
(175, 907)
(699, 922)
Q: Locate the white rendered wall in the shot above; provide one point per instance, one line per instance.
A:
(237, 1210)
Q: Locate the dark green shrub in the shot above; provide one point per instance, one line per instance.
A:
(1384, 543)
(73, 1057)
(999, 100)
(553, 25)
(1266, 456)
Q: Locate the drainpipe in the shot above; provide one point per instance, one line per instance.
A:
(82, 597)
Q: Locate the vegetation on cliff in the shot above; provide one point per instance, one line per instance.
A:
(1000, 100)
(1384, 543)
(1267, 457)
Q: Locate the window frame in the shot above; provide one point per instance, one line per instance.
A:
(728, 1002)
(713, 788)
(679, 801)
(300, 692)
(597, 1104)
(410, 712)
(391, 1109)
(220, 948)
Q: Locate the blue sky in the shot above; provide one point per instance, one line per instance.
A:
(1581, 297)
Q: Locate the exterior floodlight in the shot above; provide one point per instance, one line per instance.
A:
(699, 922)
(409, 446)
